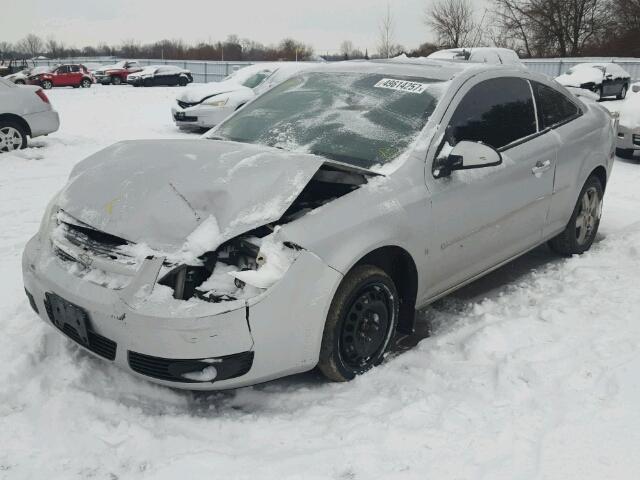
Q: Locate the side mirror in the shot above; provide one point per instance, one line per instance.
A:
(466, 156)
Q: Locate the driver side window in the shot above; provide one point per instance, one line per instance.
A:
(496, 112)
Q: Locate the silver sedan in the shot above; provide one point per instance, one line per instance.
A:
(306, 229)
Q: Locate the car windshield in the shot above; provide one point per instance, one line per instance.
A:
(254, 80)
(364, 119)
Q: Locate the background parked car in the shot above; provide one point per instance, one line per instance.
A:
(117, 74)
(72, 75)
(25, 111)
(20, 78)
(503, 56)
(605, 79)
(204, 106)
(160, 75)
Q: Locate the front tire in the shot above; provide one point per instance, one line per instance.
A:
(12, 137)
(360, 325)
(581, 231)
(116, 81)
(47, 85)
(85, 83)
(20, 82)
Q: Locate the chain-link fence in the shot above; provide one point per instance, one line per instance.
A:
(214, 71)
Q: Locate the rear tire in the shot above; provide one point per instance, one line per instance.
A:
(360, 324)
(183, 82)
(582, 228)
(12, 136)
(623, 92)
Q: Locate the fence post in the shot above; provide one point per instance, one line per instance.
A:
(206, 78)
(559, 68)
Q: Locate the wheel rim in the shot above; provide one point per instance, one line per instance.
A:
(10, 139)
(46, 85)
(85, 83)
(588, 216)
(366, 328)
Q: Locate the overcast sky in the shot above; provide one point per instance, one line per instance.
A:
(323, 24)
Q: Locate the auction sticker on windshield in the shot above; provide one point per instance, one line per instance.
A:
(401, 85)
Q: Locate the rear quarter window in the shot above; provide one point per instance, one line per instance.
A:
(554, 107)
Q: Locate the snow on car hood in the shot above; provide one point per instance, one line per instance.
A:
(580, 77)
(198, 93)
(185, 196)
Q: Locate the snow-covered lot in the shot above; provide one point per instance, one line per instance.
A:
(530, 373)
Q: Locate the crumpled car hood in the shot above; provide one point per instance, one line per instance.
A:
(197, 93)
(158, 192)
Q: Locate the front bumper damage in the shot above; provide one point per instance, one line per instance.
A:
(274, 334)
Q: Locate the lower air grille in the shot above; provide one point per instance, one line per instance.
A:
(636, 139)
(98, 344)
(230, 366)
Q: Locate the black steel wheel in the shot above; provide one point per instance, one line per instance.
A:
(360, 324)
(116, 81)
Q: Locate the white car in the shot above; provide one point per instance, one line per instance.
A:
(205, 106)
(20, 78)
(25, 111)
(503, 56)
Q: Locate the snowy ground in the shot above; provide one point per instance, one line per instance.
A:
(531, 373)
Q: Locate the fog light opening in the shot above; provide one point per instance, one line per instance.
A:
(207, 374)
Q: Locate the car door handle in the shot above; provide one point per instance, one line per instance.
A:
(541, 167)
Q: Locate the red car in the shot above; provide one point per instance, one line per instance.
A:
(73, 75)
(117, 74)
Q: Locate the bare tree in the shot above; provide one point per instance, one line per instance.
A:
(554, 27)
(346, 48)
(31, 45)
(453, 22)
(386, 31)
(54, 48)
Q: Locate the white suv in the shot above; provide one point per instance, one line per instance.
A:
(25, 111)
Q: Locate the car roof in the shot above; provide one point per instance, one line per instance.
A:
(426, 68)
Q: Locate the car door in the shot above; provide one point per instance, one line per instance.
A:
(75, 75)
(487, 216)
(609, 83)
(61, 76)
(561, 115)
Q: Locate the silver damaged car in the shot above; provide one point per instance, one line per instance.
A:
(306, 229)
